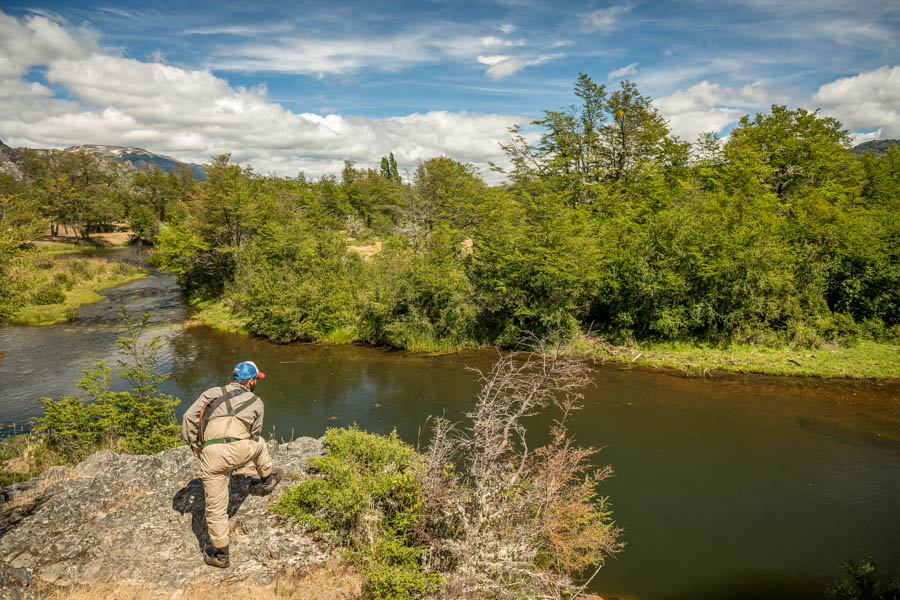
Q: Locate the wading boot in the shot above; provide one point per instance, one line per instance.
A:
(216, 557)
(269, 483)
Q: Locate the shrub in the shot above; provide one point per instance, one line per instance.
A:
(48, 294)
(511, 521)
(366, 493)
(140, 420)
(64, 279)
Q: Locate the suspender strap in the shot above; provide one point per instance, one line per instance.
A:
(226, 398)
(242, 407)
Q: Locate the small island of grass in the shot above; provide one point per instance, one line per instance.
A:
(55, 288)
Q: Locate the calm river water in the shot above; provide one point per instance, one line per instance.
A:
(730, 487)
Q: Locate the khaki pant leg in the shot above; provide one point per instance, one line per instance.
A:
(261, 459)
(214, 470)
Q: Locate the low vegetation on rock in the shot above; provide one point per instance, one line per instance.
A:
(139, 420)
(484, 512)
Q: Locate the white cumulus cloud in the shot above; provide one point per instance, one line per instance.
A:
(505, 68)
(709, 106)
(193, 114)
(868, 100)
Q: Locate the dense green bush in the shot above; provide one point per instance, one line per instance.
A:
(420, 297)
(365, 491)
(296, 283)
(48, 294)
(780, 235)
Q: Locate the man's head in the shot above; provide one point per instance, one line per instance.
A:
(247, 374)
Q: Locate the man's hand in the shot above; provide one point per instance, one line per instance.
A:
(196, 451)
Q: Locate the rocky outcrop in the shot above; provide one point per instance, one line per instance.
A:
(140, 519)
(7, 162)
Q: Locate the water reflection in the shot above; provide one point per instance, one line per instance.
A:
(734, 487)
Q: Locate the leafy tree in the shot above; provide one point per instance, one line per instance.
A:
(296, 283)
(389, 168)
(798, 149)
(568, 155)
(419, 297)
(445, 191)
(20, 222)
(140, 420)
(634, 135)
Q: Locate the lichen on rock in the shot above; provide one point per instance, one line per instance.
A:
(140, 519)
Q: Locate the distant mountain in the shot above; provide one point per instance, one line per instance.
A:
(7, 162)
(116, 160)
(876, 147)
(138, 158)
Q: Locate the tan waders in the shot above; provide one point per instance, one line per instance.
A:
(216, 462)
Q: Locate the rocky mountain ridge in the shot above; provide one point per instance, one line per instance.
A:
(140, 520)
(112, 159)
(876, 147)
(138, 158)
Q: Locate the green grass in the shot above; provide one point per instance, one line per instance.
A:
(862, 360)
(414, 339)
(340, 335)
(86, 283)
(216, 314)
(76, 248)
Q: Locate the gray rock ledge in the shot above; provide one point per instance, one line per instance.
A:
(139, 519)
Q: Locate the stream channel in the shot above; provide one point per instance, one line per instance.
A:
(730, 487)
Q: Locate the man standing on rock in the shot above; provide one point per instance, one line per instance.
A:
(223, 428)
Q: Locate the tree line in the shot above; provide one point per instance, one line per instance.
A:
(609, 223)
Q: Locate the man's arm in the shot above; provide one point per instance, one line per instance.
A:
(190, 422)
(256, 427)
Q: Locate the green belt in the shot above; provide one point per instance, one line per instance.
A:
(226, 440)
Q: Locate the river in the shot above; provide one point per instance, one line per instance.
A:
(727, 487)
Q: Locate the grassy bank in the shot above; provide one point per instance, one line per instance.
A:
(53, 248)
(216, 314)
(58, 288)
(863, 360)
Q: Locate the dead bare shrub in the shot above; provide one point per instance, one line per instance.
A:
(505, 520)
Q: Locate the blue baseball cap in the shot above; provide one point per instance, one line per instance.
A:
(247, 370)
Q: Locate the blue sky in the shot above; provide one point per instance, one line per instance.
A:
(303, 86)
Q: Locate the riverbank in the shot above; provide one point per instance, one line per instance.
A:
(69, 241)
(862, 360)
(59, 288)
(215, 314)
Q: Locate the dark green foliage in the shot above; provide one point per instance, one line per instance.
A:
(365, 492)
(420, 297)
(297, 283)
(861, 583)
(533, 267)
(609, 223)
(140, 420)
